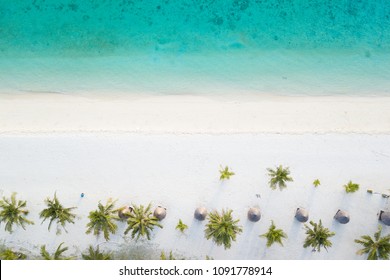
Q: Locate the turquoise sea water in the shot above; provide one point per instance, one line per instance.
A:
(195, 46)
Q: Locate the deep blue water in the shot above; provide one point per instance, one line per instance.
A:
(196, 46)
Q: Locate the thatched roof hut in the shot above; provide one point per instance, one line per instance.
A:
(342, 217)
(254, 214)
(160, 213)
(384, 217)
(302, 215)
(200, 213)
(124, 212)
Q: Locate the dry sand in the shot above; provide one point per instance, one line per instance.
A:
(167, 151)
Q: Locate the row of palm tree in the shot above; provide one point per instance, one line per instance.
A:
(279, 176)
(223, 230)
(221, 227)
(58, 254)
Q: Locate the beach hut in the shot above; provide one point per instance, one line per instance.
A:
(342, 216)
(124, 212)
(200, 213)
(302, 215)
(160, 212)
(254, 214)
(384, 217)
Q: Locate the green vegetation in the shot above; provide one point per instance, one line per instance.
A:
(141, 222)
(95, 254)
(164, 257)
(103, 220)
(13, 212)
(222, 229)
(225, 173)
(57, 254)
(351, 187)
(317, 236)
(377, 248)
(274, 235)
(181, 226)
(56, 212)
(9, 254)
(279, 177)
(316, 183)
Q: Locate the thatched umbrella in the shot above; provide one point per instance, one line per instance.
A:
(254, 214)
(384, 217)
(342, 216)
(160, 212)
(124, 212)
(302, 215)
(200, 213)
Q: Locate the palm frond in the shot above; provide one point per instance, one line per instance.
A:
(222, 229)
(95, 254)
(279, 177)
(377, 248)
(57, 254)
(141, 222)
(103, 220)
(317, 236)
(274, 235)
(13, 213)
(57, 213)
(225, 174)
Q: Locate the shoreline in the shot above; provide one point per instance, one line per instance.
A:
(186, 114)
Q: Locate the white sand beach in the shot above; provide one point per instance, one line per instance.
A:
(168, 150)
(46, 113)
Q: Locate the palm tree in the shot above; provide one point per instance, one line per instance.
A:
(222, 229)
(8, 254)
(317, 236)
(57, 254)
(181, 226)
(225, 173)
(55, 211)
(141, 222)
(274, 235)
(103, 219)
(95, 254)
(351, 187)
(377, 248)
(164, 257)
(279, 177)
(13, 212)
(316, 183)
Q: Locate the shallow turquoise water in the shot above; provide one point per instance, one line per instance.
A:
(195, 46)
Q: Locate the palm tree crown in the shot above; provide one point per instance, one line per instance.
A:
(95, 254)
(141, 222)
(274, 235)
(377, 248)
(103, 219)
(351, 187)
(55, 211)
(181, 226)
(13, 212)
(164, 257)
(317, 236)
(316, 183)
(222, 229)
(279, 177)
(225, 173)
(57, 254)
(9, 254)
